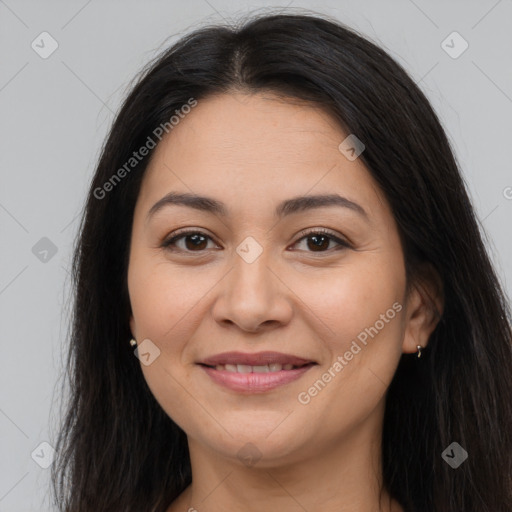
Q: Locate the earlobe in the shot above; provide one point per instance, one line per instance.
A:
(424, 309)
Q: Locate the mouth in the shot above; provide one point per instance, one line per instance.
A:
(272, 360)
(245, 368)
(255, 373)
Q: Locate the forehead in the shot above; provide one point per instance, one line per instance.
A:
(233, 126)
(255, 149)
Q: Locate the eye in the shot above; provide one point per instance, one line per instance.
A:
(321, 238)
(196, 241)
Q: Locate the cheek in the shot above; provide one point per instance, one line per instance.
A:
(163, 301)
(358, 312)
(167, 302)
(353, 298)
(362, 310)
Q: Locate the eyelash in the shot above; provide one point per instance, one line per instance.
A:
(167, 244)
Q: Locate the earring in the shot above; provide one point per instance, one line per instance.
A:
(133, 342)
(419, 347)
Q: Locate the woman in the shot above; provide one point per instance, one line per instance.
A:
(283, 300)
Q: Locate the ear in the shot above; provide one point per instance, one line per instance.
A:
(424, 307)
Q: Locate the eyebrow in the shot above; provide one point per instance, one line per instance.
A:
(285, 208)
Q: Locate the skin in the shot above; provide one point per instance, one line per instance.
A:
(252, 151)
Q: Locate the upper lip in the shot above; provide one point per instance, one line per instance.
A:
(257, 359)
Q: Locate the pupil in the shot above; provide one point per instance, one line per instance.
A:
(197, 240)
(316, 239)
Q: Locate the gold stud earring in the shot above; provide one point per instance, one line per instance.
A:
(419, 347)
(133, 342)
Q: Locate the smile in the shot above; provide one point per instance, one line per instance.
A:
(255, 379)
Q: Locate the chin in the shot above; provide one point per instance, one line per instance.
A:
(264, 444)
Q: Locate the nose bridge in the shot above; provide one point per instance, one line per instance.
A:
(251, 294)
(251, 275)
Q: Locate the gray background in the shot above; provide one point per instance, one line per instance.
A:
(55, 113)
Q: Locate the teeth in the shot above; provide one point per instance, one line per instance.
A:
(261, 369)
(245, 368)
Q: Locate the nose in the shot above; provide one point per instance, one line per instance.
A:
(253, 296)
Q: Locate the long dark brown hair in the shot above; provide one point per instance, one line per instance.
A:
(119, 451)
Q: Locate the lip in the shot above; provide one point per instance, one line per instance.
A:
(257, 359)
(248, 383)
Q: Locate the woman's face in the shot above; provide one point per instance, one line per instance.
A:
(260, 277)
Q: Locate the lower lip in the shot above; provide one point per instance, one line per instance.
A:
(255, 382)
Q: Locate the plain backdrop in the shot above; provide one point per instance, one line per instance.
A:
(55, 113)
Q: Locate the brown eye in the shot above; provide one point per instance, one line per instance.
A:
(319, 240)
(194, 241)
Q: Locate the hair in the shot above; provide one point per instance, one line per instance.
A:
(117, 450)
